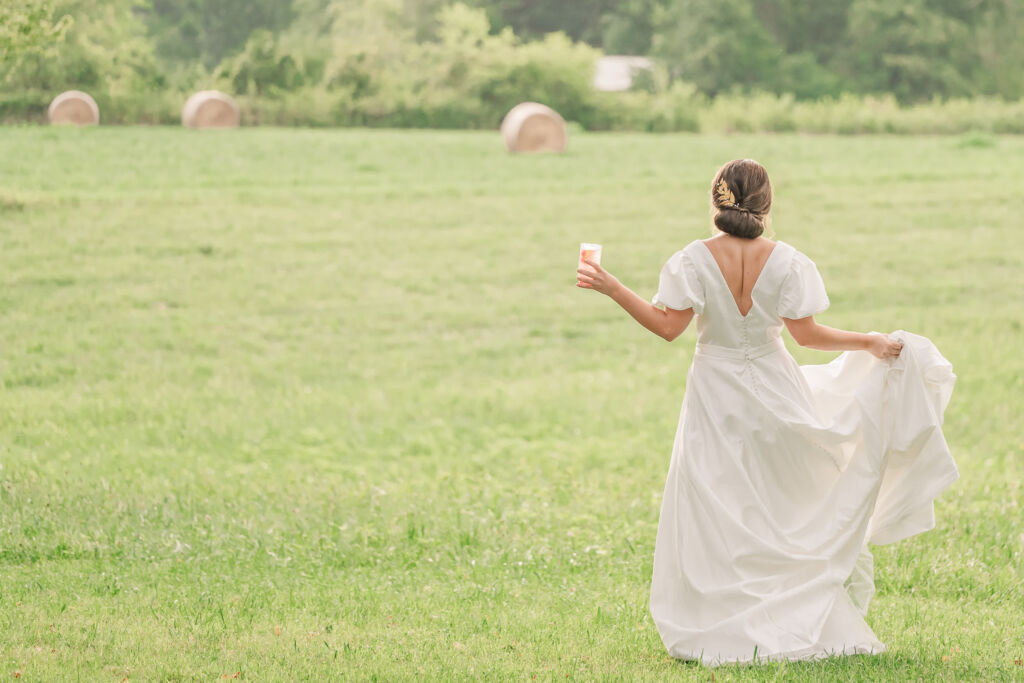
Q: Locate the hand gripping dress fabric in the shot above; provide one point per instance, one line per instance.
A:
(781, 474)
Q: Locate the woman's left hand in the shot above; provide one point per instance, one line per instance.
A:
(598, 279)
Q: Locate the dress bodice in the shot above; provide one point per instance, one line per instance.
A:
(789, 286)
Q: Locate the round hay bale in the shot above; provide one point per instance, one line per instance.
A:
(74, 107)
(210, 109)
(534, 127)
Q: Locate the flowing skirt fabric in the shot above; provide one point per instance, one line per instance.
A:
(780, 475)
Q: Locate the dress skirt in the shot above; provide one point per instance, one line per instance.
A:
(780, 475)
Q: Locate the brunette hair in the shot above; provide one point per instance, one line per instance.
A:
(741, 198)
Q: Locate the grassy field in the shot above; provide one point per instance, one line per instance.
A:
(293, 404)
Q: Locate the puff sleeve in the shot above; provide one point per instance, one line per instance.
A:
(803, 291)
(679, 286)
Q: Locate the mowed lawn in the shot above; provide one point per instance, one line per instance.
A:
(325, 404)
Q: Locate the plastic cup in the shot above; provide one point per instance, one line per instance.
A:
(591, 252)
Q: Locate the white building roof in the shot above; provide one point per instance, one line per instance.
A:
(616, 72)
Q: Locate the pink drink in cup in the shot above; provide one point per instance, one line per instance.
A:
(591, 252)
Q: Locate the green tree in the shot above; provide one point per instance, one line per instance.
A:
(209, 30)
(417, 20)
(910, 49)
(579, 19)
(817, 28)
(105, 48)
(261, 68)
(1000, 51)
(27, 27)
(718, 45)
(628, 28)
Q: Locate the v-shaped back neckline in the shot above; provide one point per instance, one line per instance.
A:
(753, 288)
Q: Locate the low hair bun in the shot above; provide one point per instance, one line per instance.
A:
(739, 223)
(741, 198)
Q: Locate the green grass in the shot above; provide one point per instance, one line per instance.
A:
(311, 404)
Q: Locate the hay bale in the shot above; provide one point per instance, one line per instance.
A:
(533, 127)
(74, 107)
(210, 109)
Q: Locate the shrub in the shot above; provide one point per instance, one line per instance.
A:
(261, 68)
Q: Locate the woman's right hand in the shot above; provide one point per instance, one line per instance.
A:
(881, 346)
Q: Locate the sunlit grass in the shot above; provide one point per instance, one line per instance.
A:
(302, 404)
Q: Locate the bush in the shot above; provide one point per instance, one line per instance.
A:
(25, 106)
(853, 115)
(262, 69)
(469, 78)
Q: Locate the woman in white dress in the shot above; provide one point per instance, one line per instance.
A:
(781, 474)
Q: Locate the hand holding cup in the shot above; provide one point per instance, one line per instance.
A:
(590, 274)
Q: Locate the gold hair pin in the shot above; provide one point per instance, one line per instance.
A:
(725, 195)
(726, 198)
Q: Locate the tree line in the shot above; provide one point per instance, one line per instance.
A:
(439, 62)
(913, 49)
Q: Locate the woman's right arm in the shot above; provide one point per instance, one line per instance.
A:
(806, 332)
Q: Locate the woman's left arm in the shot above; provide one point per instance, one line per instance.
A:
(667, 324)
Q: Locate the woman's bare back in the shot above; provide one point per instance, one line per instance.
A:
(741, 261)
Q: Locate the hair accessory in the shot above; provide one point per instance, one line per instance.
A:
(725, 195)
(726, 198)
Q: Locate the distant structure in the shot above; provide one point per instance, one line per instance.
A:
(534, 127)
(74, 107)
(210, 109)
(616, 72)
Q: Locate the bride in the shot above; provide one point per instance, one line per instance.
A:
(780, 474)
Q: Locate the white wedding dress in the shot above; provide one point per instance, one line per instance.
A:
(781, 474)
